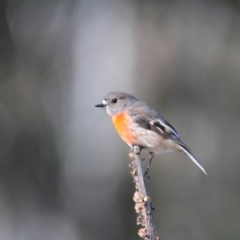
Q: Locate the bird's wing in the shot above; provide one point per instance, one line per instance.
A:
(148, 118)
(164, 128)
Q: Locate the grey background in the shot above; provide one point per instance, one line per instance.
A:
(63, 169)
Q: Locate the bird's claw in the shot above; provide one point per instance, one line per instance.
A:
(146, 176)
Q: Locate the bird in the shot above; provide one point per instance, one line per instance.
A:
(138, 124)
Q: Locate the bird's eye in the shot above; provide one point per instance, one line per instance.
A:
(114, 100)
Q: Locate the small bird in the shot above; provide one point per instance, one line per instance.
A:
(138, 124)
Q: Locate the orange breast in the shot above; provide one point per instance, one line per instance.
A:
(123, 125)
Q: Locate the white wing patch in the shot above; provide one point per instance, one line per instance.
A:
(165, 127)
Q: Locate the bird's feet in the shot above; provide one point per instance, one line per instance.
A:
(146, 176)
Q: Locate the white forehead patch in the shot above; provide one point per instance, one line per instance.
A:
(104, 102)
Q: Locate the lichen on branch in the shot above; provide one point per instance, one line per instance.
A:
(143, 203)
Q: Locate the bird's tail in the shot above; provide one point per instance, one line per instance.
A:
(185, 149)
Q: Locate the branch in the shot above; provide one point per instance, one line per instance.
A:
(143, 203)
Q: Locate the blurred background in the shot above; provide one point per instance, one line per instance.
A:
(63, 169)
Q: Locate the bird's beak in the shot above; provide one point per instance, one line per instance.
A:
(103, 104)
(100, 105)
